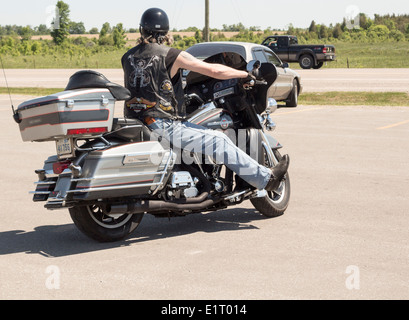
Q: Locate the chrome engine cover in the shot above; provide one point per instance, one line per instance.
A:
(182, 184)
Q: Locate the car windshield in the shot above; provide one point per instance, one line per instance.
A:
(273, 59)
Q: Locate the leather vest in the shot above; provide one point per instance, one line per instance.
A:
(147, 77)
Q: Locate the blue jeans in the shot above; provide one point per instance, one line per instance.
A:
(194, 138)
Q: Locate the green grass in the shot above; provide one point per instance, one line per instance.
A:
(37, 92)
(358, 55)
(355, 98)
(337, 98)
(103, 60)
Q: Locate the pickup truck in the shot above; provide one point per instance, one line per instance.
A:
(309, 56)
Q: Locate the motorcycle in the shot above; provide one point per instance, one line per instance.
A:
(109, 172)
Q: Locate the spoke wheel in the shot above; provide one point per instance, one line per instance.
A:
(95, 222)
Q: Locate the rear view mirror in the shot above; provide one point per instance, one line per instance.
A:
(253, 65)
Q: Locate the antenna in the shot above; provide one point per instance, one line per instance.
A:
(15, 114)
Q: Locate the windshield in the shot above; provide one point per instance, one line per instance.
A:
(230, 59)
(293, 40)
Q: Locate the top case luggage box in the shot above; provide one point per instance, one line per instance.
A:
(50, 118)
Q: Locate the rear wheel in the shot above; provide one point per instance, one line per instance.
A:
(95, 222)
(276, 202)
(306, 61)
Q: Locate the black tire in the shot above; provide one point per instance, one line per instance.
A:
(95, 223)
(293, 99)
(319, 65)
(306, 61)
(274, 203)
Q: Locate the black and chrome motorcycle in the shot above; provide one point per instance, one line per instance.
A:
(109, 172)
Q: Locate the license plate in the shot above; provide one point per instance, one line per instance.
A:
(64, 148)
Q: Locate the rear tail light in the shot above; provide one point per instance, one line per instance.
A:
(324, 50)
(76, 132)
(59, 167)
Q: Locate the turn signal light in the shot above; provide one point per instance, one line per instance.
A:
(76, 132)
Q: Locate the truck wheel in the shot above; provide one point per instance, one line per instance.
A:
(293, 98)
(306, 61)
(319, 65)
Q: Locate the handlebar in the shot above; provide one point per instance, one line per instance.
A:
(258, 82)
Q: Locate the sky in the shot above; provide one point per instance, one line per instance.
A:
(190, 13)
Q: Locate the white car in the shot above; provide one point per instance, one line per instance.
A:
(288, 84)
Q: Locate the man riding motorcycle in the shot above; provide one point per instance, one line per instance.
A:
(153, 75)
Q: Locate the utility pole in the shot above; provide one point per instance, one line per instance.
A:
(207, 27)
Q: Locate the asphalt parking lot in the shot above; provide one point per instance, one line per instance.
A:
(344, 235)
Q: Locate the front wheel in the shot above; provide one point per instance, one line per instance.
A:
(276, 202)
(95, 222)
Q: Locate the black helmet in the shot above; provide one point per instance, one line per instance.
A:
(154, 21)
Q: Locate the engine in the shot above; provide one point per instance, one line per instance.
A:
(182, 185)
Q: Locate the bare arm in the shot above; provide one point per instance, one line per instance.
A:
(217, 71)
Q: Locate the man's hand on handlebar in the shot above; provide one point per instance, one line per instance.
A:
(249, 82)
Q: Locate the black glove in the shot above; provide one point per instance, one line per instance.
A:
(255, 73)
(250, 77)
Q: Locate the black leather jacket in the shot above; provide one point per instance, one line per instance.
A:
(147, 75)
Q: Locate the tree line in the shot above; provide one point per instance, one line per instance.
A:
(364, 29)
(16, 40)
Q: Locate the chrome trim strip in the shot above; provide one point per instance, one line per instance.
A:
(39, 192)
(113, 188)
(114, 176)
(45, 183)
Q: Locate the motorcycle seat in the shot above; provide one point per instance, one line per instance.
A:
(92, 79)
(129, 130)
